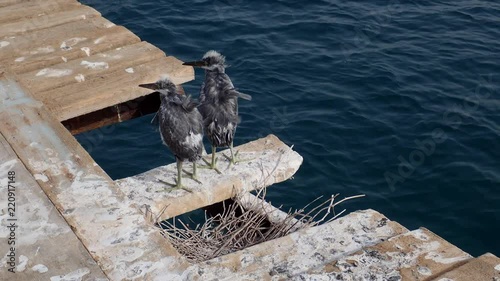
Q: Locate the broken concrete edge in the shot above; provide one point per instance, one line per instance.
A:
(415, 255)
(301, 250)
(272, 161)
(484, 267)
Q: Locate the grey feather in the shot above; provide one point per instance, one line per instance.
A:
(180, 123)
(219, 101)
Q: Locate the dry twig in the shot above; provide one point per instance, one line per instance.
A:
(236, 227)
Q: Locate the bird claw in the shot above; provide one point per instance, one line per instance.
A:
(191, 176)
(173, 186)
(209, 166)
(234, 160)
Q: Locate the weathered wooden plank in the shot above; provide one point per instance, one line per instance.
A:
(46, 21)
(272, 162)
(46, 47)
(115, 233)
(301, 250)
(117, 113)
(416, 255)
(4, 3)
(33, 9)
(45, 245)
(78, 70)
(114, 114)
(111, 88)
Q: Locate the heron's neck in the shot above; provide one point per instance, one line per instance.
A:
(216, 70)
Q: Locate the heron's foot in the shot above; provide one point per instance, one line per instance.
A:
(209, 165)
(191, 176)
(235, 159)
(173, 186)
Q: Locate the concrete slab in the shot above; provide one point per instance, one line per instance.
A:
(299, 251)
(44, 246)
(272, 162)
(485, 267)
(416, 255)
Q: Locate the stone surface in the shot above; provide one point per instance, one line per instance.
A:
(416, 255)
(299, 251)
(485, 267)
(272, 162)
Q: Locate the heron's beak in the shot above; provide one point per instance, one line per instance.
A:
(151, 86)
(199, 63)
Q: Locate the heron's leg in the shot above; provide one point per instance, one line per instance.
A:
(193, 175)
(233, 160)
(214, 150)
(178, 184)
(212, 165)
(179, 173)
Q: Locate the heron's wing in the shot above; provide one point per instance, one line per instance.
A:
(229, 87)
(232, 92)
(189, 104)
(185, 102)
(242, 95)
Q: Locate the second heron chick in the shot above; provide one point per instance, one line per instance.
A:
(180, 124)
(218, 103)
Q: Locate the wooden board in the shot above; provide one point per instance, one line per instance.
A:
(114, 114)
(4, 3)
(111, 88)
(43, 48)
(97, 65)
(45, 246)
(108, 224)
(272, 162)
(46, 21)
(33, 9)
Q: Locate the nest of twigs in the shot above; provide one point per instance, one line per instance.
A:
(248, 221)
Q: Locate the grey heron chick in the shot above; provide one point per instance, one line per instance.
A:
(218, 103)
(180, 125)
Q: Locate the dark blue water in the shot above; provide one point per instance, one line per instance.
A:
(395, 100)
